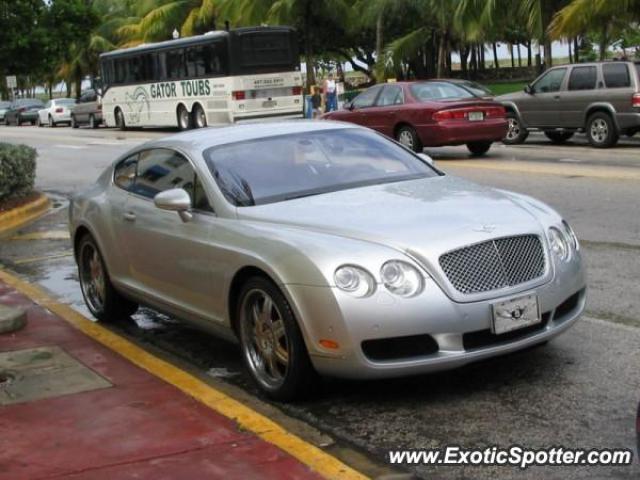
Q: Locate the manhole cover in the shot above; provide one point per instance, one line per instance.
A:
(44, 372)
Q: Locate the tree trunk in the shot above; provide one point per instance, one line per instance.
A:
(496, 65)
(308, 54)
(483, 66)
(464, 55)
(513, 60)
(576, 50)
(529, 60)
(474, 61)
(604, 41)
(379, 70)
(519, 56)
(547, 11)
(442, 45)
(569, 49)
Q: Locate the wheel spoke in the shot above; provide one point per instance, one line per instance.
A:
(282, 355)
(267, 308)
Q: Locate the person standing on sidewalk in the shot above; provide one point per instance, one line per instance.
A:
(316, 101)
(330, 94)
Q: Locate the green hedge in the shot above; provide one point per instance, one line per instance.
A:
(17, 170)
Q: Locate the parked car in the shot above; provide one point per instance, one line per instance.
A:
(427, 114)
(56, 111)
(23, 110)
(476, 88)
(601, 99)
(88, 110)
(324, 247)
(4, 106)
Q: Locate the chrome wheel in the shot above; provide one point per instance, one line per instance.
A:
(406, 139)
(183, 118)
(265, 342)
(513, 129)
(92, 277)
(200, 119)
(599, 130)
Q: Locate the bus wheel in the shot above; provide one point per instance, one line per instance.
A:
(184, 119)
(199, 117)
(120, 123)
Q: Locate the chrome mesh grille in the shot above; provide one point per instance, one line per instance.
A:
(498, 263)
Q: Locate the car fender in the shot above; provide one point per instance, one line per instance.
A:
(600, 106)
(511, 105)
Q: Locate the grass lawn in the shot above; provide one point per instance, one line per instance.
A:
(502, 88)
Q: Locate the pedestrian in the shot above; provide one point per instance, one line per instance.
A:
(316, 101)
(330, 94)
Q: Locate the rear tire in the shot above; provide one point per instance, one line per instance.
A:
(102, 299)
(92, 121)
(516, 133)
(52, 124)
(601, 131)
(183, 117)
(478, 149)
(74, 123)
(558, 137)
(272, 345)
(407, 136)
(199, 118)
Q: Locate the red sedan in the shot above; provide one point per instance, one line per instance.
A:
(427, 114)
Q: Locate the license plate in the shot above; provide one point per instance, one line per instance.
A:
(269, 103)
(476, 116)
(515, 313)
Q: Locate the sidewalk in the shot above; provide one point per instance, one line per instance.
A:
(74, 409)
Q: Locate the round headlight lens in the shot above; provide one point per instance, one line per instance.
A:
(571, 235)
(354, 280)
(559, 245)
(401, 278)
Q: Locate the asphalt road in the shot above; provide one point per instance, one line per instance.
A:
(581, 390)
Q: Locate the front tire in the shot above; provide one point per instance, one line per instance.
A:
(74, 122)
(52, 124)
(407, 136)
(558, 137)
(601, 131)
(478, 149)
(273, 349)
(516, 133)
(102, 299)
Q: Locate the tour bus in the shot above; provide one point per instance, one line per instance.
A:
(220, 77)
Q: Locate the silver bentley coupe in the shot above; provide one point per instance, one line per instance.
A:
(324, 247)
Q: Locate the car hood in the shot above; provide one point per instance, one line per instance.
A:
(423, 218)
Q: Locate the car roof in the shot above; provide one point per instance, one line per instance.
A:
(203, 138)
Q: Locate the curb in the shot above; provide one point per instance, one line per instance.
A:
(11, 319)
(20, 216)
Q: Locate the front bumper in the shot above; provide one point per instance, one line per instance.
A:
(455, 132)
(461, 330)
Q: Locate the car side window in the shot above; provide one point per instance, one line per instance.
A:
(162, 169)
(391, 95)
(550, 81)
(124, 174)
(616, 75)
(583, 78)
(366, 98)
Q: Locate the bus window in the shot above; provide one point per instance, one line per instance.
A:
(121, 70)
(175, 64)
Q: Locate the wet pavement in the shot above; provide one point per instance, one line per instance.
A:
(581, 390)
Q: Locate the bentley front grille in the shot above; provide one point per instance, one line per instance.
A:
(494, 264)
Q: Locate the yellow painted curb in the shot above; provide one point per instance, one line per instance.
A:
(563, 169)
(316, 459)
(18, 217)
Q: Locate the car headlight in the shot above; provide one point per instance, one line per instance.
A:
(354, 280)
(559, 244)
(401, 278)
(573, 239)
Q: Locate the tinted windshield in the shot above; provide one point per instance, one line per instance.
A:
(430, 91)
(311, 163)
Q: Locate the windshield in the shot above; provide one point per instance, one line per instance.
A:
(297, 165)
(430, 91)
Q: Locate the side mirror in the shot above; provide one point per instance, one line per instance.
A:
(175, 200)
(426, 158)
(528, 89)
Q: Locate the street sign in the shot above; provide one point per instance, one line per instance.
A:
(12, 81)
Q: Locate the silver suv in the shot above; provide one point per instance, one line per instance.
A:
(601, 99)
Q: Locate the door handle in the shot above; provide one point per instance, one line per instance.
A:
(130, 217)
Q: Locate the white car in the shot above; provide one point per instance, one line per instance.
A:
(56, 111)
